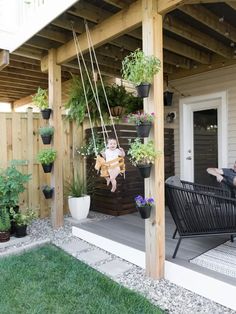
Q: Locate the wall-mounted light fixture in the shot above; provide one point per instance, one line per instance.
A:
(170, 117)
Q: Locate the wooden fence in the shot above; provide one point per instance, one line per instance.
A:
(20, 140)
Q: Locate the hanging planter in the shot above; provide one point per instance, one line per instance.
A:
(145, 211)
(145, 170)
(143, 90)
(46, 113)
(117, 111)
(48, 191)
(168, 98)
(21, 231)
(46, 157)
(143, 129)
(46, 134)
(144, 206)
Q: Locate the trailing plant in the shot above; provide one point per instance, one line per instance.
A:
(23, 218)
(5, 222)
(40, 99)
(12, 184)
(47, 156)
(46, 131)
(88, 148)
(139, 68)
(142, 153)
(141, 117)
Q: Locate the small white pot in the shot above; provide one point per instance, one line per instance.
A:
(79, 206)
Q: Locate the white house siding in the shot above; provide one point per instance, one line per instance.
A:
(202, 84)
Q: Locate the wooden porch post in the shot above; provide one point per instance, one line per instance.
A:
(155, 226)
(54, 93)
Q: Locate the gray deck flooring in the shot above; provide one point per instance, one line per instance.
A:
(130, 230)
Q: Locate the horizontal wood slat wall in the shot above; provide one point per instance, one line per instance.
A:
(122, 201)
(20, 140)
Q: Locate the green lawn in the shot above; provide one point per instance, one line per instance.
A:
(47, 280)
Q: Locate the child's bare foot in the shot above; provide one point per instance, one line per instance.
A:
(108, 181)
(113, 186)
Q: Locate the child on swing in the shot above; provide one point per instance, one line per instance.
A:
(111, 153)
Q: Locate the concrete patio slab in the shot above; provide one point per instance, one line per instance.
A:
(114, 268)
(74, 246)
(94, 256)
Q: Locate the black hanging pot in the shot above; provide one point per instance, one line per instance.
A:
(47, 168)
(145, 170)
(168, 98)
(143, 90)
(21, 231)
(46, 139)
(48, 193)
(46, 113)
(143, 129)
(144, 211)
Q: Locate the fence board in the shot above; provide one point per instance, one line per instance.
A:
(3, 141)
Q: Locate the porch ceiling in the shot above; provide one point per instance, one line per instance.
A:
(197, 38)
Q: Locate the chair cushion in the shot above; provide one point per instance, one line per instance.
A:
(175, 181)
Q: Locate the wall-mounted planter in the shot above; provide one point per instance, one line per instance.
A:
(47, 168)
(117, 111)
(145, 211)
(145, 170)
(143, 90)
(48, 192)
(168, 98)
(46, 139)
(143, 129)
(46, 113)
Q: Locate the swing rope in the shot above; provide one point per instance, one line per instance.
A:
(85, 95)
(91, 47)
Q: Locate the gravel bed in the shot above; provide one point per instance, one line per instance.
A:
(170, 297)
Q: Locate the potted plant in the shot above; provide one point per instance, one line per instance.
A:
(117, 97)
(142, 155)
(22, 220)
(5, 225)
(78, 200)
(46, 157)
(40, 99)
(46, 133)
(48, 191)
(144, 205)
(140, 69)
(143, 122)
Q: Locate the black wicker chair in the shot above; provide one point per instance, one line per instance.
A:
(199, 210)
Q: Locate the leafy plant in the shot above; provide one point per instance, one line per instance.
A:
(46, 131)
(117, 95)
(23, 218)
(5, 223)
(47, 188)
(142, 153)
(142, 201)
(139, 68)
(12, 183)
(40, 99)
(76, 188)
(47, 156)
(134, 104)
(141, 117)
(88, 148)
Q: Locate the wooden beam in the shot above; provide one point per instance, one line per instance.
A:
(23, 101)
(54, 96)
(176, 60)
(186, 50)
(29, 52)
(232, 4)
(165, 6)
(4, 59)
(155, 226)
(206, 17)
(118, 3)
(185, 30)
(114, 26)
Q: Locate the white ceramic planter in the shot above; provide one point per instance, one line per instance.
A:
(79, 206)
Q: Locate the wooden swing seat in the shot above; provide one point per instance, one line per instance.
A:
(104, 166)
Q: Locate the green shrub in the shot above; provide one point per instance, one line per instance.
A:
(5, 223)
(142, 153)
(23, 218)
(46, 131)
(40, 99)
(47, 156)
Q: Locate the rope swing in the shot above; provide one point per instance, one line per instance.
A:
(101, 164)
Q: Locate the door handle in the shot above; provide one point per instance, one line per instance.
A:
(189, 158)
